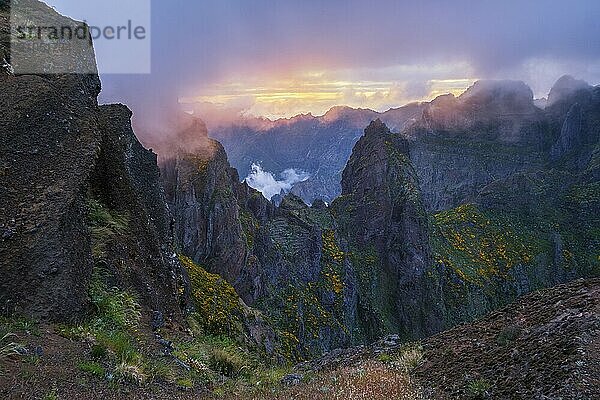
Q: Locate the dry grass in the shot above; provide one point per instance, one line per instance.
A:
(369, 380)
(8, 349)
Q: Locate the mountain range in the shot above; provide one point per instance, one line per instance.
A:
(126, 273)
(502, 113)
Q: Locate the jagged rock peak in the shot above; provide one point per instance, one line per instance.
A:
(565, 86)
(376, 127)
(444, 100)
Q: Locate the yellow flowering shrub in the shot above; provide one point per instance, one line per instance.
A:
(217, 303)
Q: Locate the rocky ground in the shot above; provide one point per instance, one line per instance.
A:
(544, 346)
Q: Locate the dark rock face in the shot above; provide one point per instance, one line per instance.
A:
(127, 180)
(570, 135)
(48, 146)
(58, 149)
(48, 141)
(381, 209)
(575, 116)
(207, 200)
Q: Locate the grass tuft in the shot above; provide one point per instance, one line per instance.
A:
(92, 368)
(478, 388)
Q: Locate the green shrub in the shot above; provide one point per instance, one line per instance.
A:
(217, 303)
(120, 343)
(99, 351)
(185, 383)
(226, 362)
(115, 308)
(93, 368)
(19, 325)
(104, 225)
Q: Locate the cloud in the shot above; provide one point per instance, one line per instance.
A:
(265, 182)
(203, 45)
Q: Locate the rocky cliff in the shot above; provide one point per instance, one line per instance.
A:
(381, 215)
(317, 271)
(64, 158)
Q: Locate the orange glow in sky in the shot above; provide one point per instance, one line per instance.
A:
(317, 92)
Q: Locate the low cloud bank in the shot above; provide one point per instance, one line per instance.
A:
(266, 183)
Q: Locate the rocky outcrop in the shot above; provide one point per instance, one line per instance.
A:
(575, 115)
(566, 86)
(48, 142)
(209, 205)
(381, 211)
(126, 181)
(67, 164)
(48, 146)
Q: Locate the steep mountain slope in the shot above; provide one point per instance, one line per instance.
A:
(545, 345)
(318, 272)
(494, 130)
(522, 230)
(62, 154)
(381, 216)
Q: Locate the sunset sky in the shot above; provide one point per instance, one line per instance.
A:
(280, 58)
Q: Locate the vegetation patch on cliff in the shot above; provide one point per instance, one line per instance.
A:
(218, 307)
(478, 245)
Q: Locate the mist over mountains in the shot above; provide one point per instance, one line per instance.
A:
(321, 145)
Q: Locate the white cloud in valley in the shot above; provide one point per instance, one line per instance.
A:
(266, 183)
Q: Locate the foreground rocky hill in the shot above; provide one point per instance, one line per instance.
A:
(543, 346)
